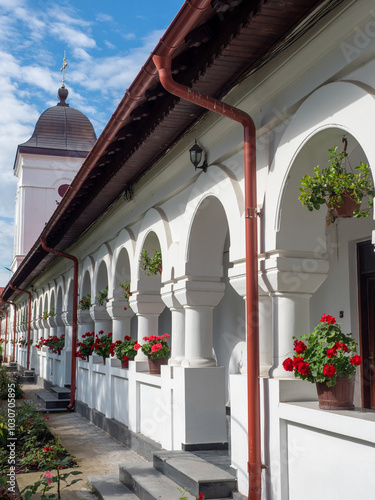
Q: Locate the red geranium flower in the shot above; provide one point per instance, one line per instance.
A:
(328, 319)
(303, 368)
(331, 352)
(288, 364)
(329, 370)
(300, 347)
(356, 360)
(297, 360)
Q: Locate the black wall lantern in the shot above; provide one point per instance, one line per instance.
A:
(196, 153)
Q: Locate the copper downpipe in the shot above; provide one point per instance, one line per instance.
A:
(75, 309)
(163, 64)
(6, 329)
(28, 322)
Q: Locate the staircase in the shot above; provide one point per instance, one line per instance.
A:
(166, 479)
(55, 399)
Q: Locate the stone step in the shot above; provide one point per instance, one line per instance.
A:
(60, 392)
(110, 488)
(149, 484)
(50, 402)
(196, 474)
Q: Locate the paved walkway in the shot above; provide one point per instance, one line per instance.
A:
(94, 450)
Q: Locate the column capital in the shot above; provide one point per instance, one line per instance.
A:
(199, 293)
(146, 303)
(99, 313)
(168, 296)
(300, 273)
(119, 308)
(84, 317)
(67, 318)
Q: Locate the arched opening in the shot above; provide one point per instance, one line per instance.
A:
(307, 235)
(208, 259)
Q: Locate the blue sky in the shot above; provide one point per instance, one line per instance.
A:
(106, 44)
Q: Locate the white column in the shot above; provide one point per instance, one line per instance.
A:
(178, 325)
(121, 314)
(290, 281)
(101, 318)
(198, 299)
(147, 307)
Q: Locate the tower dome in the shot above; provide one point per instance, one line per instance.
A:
(62, 128)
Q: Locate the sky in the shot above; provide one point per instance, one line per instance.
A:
(106, 44)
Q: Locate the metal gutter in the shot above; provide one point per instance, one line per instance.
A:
(164, 64)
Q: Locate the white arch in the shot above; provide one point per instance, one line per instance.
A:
(88, 266)
(155, 221)
(219, 184)
(104, 255)
(340, 105)
(125, 240)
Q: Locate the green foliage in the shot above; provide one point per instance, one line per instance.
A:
(326, 186)
(102, 296)
(126, 287)
(33, 444)
(103, 345)
(151, 265)
(124, 350)
(51, 461)
(84, 348)
(53, 342)
(48, 314)
(85, 303)
(9, 379)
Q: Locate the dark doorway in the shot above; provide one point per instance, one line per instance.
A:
(366, 281)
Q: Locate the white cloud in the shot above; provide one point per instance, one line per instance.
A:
(71, 36)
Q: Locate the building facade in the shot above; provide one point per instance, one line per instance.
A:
(304, 73)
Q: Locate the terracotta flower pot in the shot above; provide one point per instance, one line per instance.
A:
(154, 365)
(346, 209)
(338, 397)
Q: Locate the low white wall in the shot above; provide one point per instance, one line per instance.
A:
(309, 453)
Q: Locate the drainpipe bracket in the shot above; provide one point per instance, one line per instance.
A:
(253, 213)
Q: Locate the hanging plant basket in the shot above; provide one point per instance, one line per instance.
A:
(346, 209)
(338, 397)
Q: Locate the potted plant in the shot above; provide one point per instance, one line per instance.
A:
(125, 350)
(84, 348)
(338, 187)
(1, 353)
(151, 265)
(103, 345)
(127, 293)
(102, 296)
(157, 350)
(85, 303)
(327, 358)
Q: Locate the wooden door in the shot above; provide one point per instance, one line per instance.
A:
(366, 280)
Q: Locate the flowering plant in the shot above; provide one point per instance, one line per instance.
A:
(327, 354)
(156, 346)
(103, 345)
(53, 342)
(127, 293)
(85, 302)
(151, 265)
(102, 296)
(125, 350)
(84, 348)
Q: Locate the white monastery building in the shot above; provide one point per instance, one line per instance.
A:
(265, 88)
